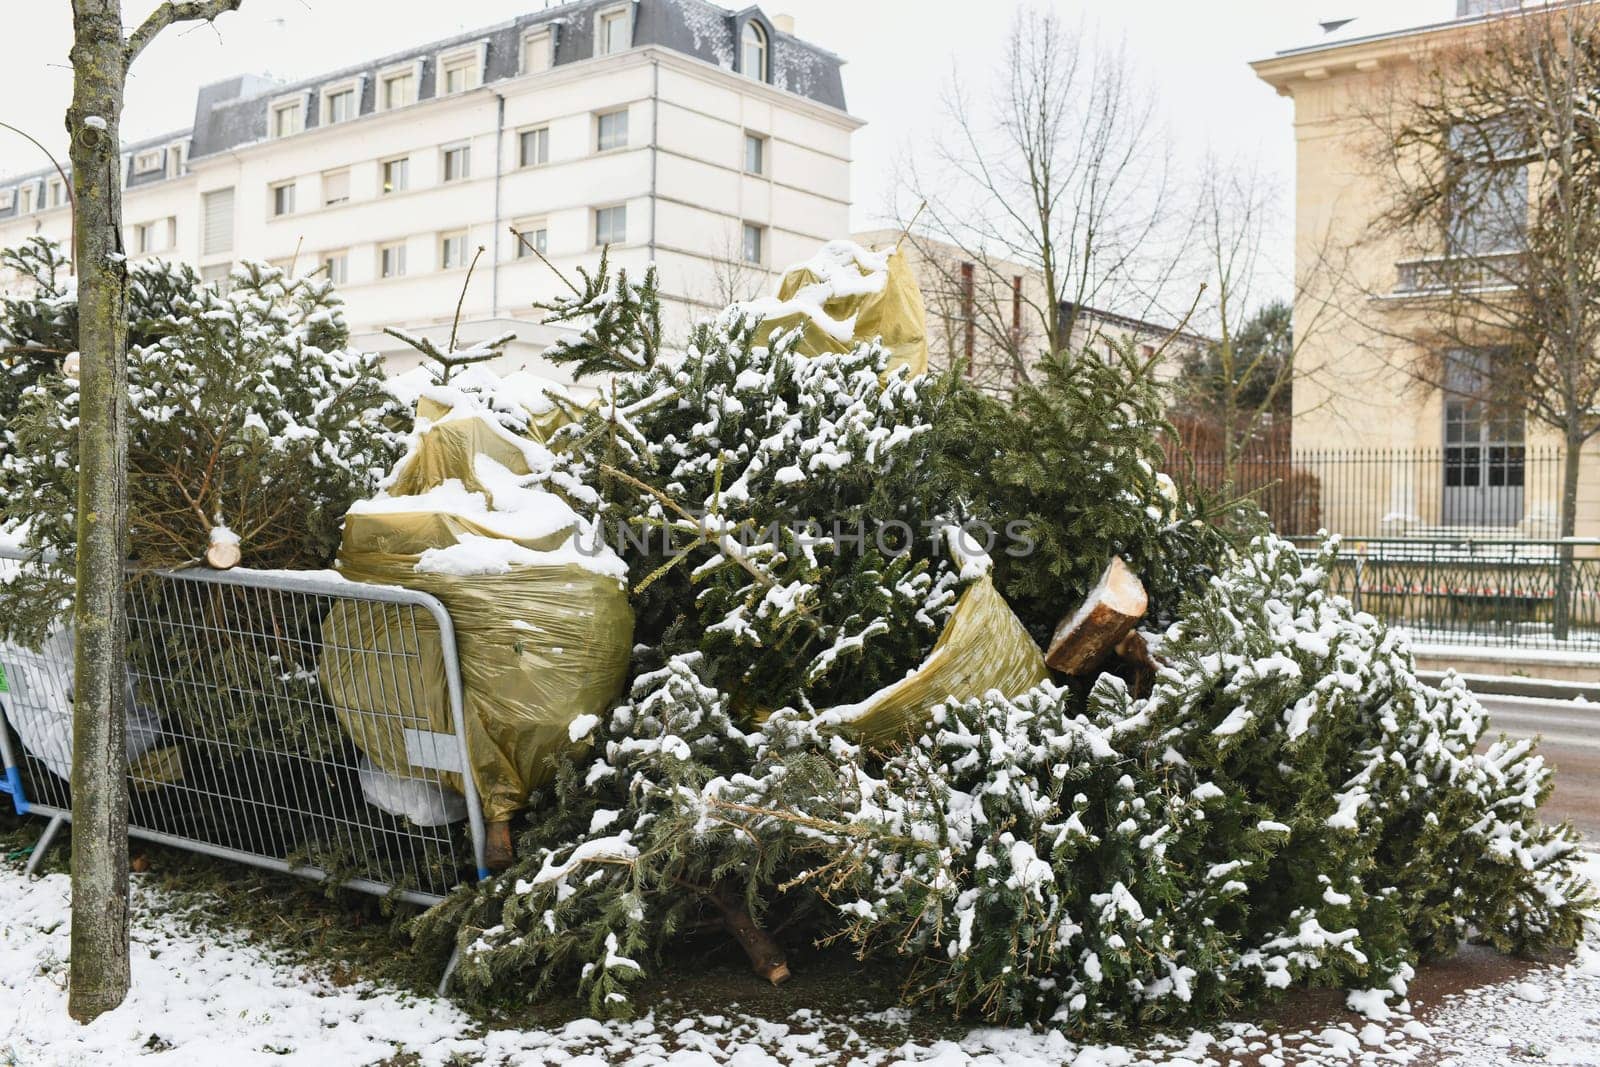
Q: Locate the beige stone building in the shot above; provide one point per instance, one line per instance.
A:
(989, 314)
(1437, 460)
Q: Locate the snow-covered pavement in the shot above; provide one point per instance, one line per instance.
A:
(201, 996)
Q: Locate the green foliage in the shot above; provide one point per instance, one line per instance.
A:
(1262, 350)
(1076, 457)
(755, 482)
(1290, 806)
(244, 410)
(636, 848)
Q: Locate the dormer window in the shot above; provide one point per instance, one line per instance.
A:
(753, 51)
(150, 162)
(340, 103)
(288, 118)
(397, 89)
(8, 197)
(460, 70)
(613, 32)
(536, 52)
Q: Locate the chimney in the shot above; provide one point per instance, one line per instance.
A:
(1469, 8)
(785, 23)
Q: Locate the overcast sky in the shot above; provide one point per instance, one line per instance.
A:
(898, 53)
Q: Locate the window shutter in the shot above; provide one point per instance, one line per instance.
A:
(218, 230)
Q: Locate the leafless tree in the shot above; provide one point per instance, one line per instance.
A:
(733, 278)
(1241, 386)
(101, 56)
(1062, 170)
(1491, 163)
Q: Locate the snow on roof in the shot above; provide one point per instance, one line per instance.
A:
(1376, 20)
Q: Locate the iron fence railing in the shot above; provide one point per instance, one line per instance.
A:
(240, 744)
(1502, 490)
(1541, 594)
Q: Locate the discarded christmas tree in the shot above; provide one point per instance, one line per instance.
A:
(246, 415)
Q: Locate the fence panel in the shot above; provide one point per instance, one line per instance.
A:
(236, 747)
(1508, 593)
(1492, 490)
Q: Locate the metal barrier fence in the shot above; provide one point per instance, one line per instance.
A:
(1497, 490)
(1509, 593)
(247, 694)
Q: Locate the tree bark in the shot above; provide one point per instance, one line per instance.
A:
(767, 957)
(99, 973)
(1561, 609)
(1085, 638)
(99, 964)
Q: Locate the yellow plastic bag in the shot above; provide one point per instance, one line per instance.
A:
(543, 631)
(983, 646)
(845, 295)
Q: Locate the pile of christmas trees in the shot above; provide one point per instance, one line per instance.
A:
(1257, 793)
(848, 577)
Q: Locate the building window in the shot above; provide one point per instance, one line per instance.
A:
(533, 147)
(536, 52)
(27, 200)
(610, 225)
(8, 197)
(283, 199)
(753, 243)
(392, 260)
(150, 162)
(532, 235)
(335, 187)
(397, 90)
(339, 105)
(157, 236)
(457, 74)
(453, 250)
(217, 222)
(457, 163)
(611, 130)
(755, 154)
(753, 51)
(288, 118)
(396, 174)
(58, 192)
(613, 32)
(337, 266)
(1488, 203)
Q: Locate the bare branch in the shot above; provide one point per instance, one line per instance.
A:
(170, 13)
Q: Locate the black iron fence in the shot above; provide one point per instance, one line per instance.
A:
(1505, 490)
(1522, 593)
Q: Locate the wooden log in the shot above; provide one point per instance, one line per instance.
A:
(223, 551)
(1109, 613)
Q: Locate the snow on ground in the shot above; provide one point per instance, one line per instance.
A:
(206, 997)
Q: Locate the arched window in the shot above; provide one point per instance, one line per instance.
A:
(755, 51)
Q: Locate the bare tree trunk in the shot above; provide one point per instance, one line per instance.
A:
(1561, 609)
(99, 980)
(100, 60)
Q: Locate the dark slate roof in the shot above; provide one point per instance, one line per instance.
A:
(234, 113)
(131, 149)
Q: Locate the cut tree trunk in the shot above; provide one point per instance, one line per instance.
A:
(99, 964)
(498, 852)
(767, 957)
(1084, 639)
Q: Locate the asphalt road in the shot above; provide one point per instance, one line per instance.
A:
(1570, 733)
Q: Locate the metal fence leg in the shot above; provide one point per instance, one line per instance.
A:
(449, 971)
(46, 839)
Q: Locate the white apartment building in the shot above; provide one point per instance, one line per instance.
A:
(673, 131)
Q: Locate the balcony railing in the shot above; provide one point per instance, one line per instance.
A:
(1448, 274)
